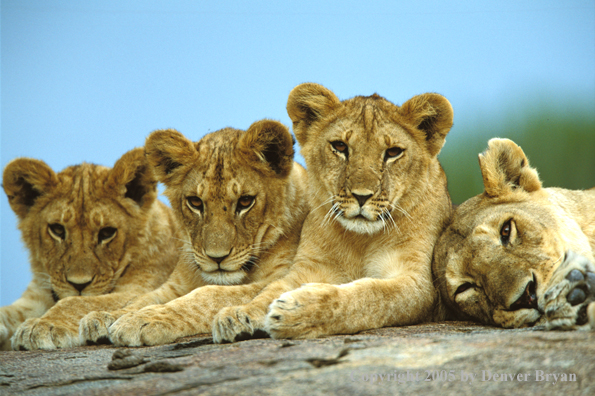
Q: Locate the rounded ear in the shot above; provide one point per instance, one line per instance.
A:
(307, 103)
(504, 168)
(133, 178)
(269, 147)
(431, 114)
(167, 152)
(25, 180)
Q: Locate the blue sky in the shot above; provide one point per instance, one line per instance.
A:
(89, 80)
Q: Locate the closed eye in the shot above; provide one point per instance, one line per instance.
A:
(464, 287)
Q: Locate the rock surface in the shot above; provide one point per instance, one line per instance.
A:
(436, 358)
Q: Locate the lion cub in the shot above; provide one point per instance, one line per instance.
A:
(519, 254)
(379, 202)
(97, 237)
(241, 202)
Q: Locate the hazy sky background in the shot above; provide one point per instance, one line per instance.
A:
(89, 80)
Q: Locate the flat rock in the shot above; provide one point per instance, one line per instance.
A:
(449, 358)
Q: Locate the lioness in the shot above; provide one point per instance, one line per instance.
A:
(97, 237)
(519, 254)
(379, 202)
(240, 199)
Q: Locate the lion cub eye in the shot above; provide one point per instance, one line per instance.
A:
(340, 146)
(106, 234)
(57, 231)
(245, 202)
(506, 232)
(194, 203)
(393, 152)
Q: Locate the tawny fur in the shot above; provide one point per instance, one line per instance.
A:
(367, 264)
(97, 237)
(514, 241)
(230, 251)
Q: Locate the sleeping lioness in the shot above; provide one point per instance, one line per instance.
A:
(519, 254)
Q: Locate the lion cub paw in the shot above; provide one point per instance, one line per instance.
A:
(38, 333)
(148, 326)
(235, 324)
(93, 328)
(302, 313)
(572, 290)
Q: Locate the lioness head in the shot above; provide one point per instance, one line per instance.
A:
(81, 225)
(495, 260)
(366, 155)
(228, 192)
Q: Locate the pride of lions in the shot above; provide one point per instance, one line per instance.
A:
(255, 244)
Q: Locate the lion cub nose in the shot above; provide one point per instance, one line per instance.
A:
(78, 285)
(361, 199)
(218, 259)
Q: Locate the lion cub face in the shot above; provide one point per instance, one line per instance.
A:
(227, 191)
(79, 223)
(364, 151)
(495, 261)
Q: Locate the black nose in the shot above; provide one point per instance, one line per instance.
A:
(80, 286)
(218, 260)
(361, 199)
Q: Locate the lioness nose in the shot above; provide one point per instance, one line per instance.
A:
(361, 199)
(80, 286)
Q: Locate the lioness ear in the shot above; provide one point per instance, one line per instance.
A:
(25, 180)
(505, 167)
(269, 145)
(306, 104)
(167, 151)
(432, 114)
(133, 178)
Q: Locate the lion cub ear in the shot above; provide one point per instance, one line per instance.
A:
(167, 151)
(133, 178)
(505, 167)
(24, 181)
(431, 114)
(308, 103)
(268, 145)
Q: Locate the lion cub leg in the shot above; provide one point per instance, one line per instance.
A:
(318, 309)
(58, 327)
(235, 321)
(94, 327)
(33, 303)
(188, 315)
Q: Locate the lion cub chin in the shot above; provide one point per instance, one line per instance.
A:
(240, 201)
(518, 254)
(379, 202)
(97, 237)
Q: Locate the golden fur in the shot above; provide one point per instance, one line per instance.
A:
(519, 254)
(379, 201)
(240, 199)
(97, 237)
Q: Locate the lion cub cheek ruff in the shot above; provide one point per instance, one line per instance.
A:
(373, 173)
(91, 232)
(240, 200)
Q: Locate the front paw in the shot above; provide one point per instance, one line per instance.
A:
(303, 313)
(4, 337)
(93, 328)
(39, 333)
(149, 326)
(572, 290)
(232, 322)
